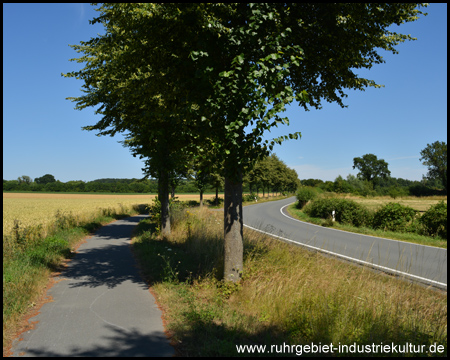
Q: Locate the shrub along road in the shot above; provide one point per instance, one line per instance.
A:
(100, 305)
(425, 264)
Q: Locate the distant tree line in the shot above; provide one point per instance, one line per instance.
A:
(269, 175)
(374, 177)
(259, 181)
(394, 187)
(99, 185)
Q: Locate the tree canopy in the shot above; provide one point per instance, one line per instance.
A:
(434, 156)
(220, 74)
(371, 168)
(45, 179)
(270, 173)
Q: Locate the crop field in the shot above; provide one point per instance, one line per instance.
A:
(32, 209)
(420, 204)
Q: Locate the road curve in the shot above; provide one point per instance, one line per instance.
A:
(100, 305)
(421, 263)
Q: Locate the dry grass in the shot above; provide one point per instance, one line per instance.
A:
(317, 298)
(288, 295)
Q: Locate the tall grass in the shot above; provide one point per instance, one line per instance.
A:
(287, 295)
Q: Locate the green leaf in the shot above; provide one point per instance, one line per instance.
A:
(302, 96)
(226, 73)
(194, 55)
(239, 59)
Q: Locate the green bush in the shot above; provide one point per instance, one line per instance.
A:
(395, 192)
(250, 197)
(48, 252)
(212, 201)
(434, 220)
(355, 214)
(305, 194)
(394, 217)
(154, 210)
(346, 211)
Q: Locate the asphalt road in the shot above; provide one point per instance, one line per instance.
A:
(421, 263)
(100, 306)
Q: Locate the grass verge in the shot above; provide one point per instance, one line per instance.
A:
(410, 237)
(288, 295)
(29, 259)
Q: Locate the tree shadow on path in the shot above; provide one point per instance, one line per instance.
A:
(119, 343)
(106, 258)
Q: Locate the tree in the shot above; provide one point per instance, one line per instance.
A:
(260, 57)
(201, 179)
(56, 186)
(370, 168)
(340, 185)
(305, 194)
(127, 78)
(10, 185)
(435, 157)
(221, 73)
(312, 182)
(216, 180)
(47, 178)
(25, 179)
(165, 160)
(272, 173)
(293, 181)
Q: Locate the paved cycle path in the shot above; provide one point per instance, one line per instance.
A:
(101, 306)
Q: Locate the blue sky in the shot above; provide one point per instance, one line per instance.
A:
(42, 132)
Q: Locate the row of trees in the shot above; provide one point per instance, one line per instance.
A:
(374, 177)
(269, 174)
(375, 171)
(394, 187)
(207, 82)
(100, 185)
(272, 175)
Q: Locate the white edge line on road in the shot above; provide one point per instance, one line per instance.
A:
(354, 260)
(376, 237)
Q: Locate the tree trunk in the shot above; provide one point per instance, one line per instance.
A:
(201, 198)
(217, 195)
(233, 229)
(163, 194)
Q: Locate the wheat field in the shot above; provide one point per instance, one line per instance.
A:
(32, 209)
(420, 204)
